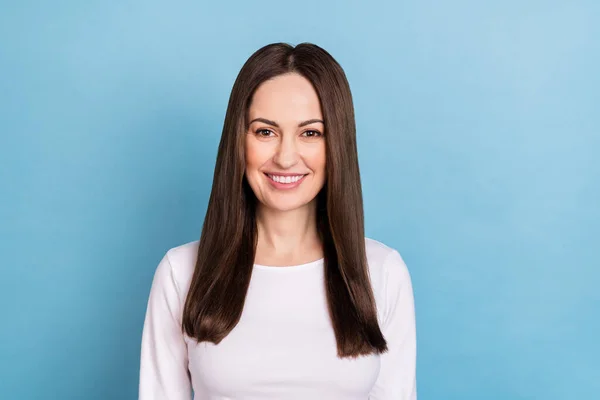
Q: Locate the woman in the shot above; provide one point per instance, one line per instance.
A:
(283, 297)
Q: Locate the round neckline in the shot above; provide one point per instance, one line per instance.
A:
(289, 268)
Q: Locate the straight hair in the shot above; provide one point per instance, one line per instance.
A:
(227, 245)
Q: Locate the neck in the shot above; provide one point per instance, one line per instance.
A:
(287, 234)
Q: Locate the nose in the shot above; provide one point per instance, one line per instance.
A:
(287, 154)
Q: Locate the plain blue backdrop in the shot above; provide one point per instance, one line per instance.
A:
(479, 141)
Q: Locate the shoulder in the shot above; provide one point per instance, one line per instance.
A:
(383, 259)
(387, 269)
(181, 262)
(388, 272)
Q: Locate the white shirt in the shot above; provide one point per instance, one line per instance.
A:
(283, 347)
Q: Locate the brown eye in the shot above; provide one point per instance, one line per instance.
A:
(312, 133)
(264, 132)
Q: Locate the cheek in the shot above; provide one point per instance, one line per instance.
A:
(254, 155)
(317, 160)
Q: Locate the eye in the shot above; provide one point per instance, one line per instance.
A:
(312, 133)
(264, 132)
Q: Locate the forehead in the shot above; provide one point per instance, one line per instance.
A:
(290, 97)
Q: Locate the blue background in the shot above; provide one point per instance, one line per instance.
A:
(479, 134)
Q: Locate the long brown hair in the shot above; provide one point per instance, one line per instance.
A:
(229, 234)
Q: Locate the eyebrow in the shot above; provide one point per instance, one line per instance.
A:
(273, 123)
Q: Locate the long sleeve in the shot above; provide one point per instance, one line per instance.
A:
(164, 361)
(397, 375)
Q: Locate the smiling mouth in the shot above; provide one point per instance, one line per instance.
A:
(285, 180)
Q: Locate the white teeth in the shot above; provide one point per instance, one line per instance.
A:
(286, 179)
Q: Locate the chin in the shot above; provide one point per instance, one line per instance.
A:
(286, 205)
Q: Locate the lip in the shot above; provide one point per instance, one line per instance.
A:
(285, 186)
(283, 173)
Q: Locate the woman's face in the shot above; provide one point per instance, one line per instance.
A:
(285, 146)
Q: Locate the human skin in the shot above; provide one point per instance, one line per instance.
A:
(288, 144)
